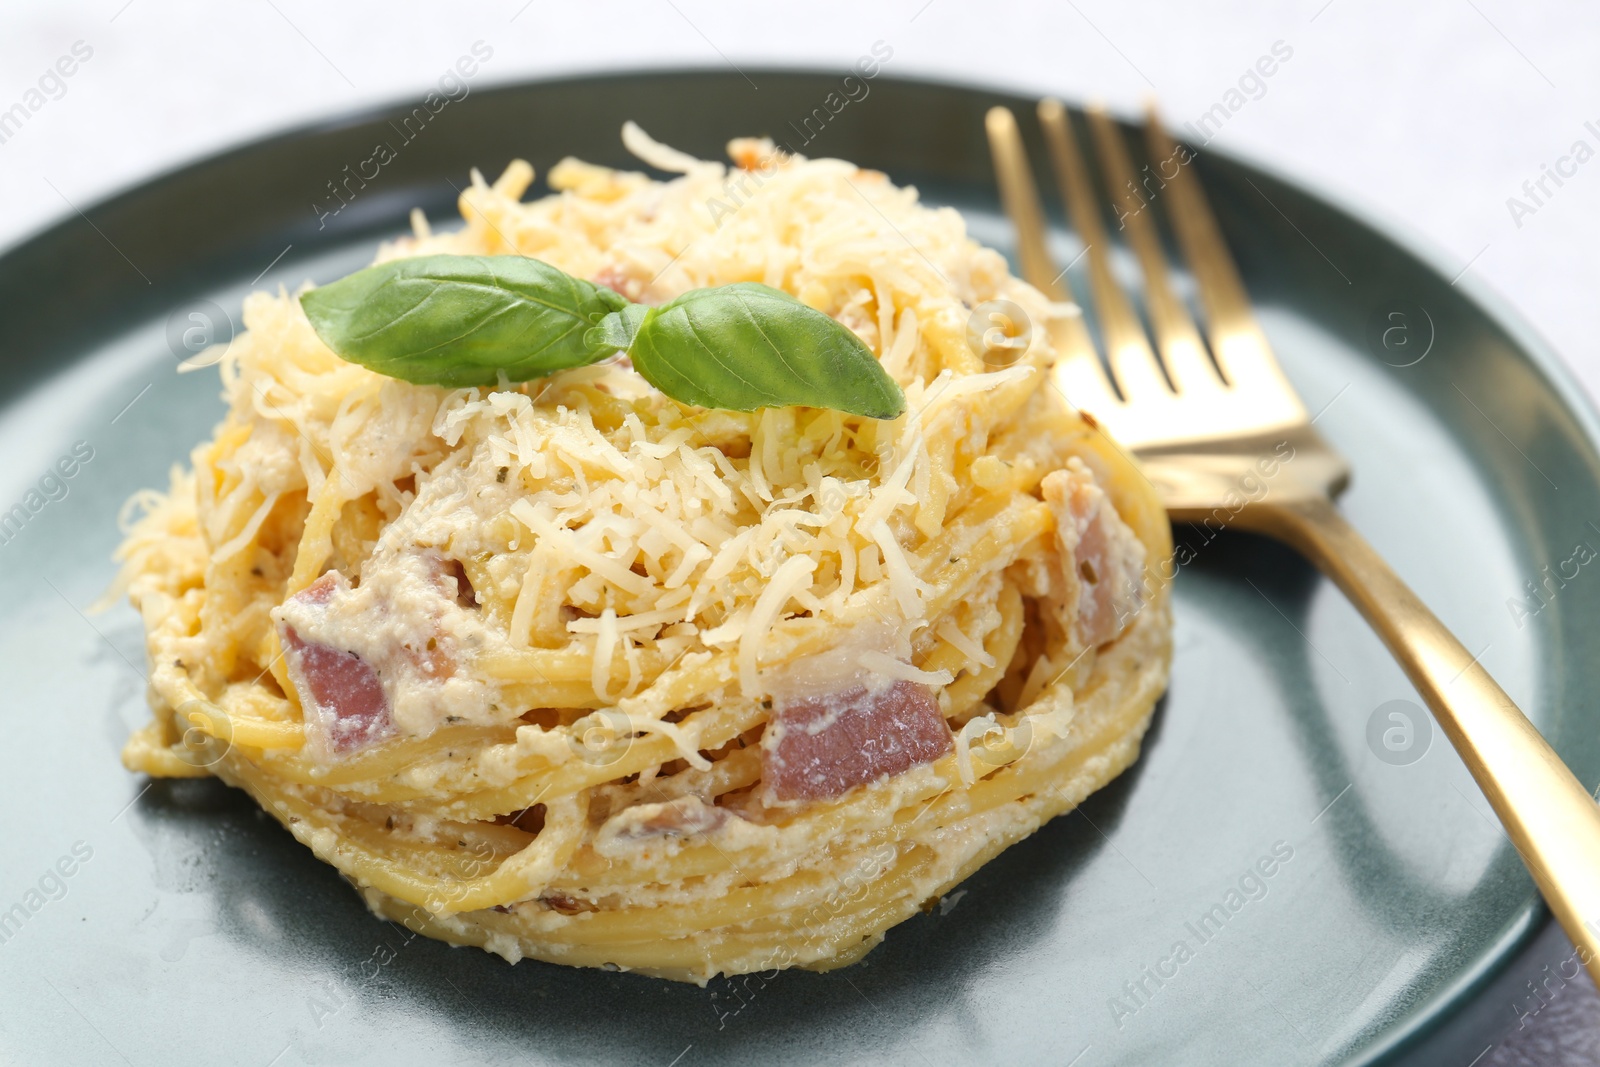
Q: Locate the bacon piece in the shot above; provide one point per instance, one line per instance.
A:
(818, 748)
(341, 688)
(1102, 560)
(320, 591)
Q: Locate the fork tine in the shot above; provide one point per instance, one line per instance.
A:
(1127, 348)
(1240, 347)
(1021, 200)
(1077, 369)
(1177, 337)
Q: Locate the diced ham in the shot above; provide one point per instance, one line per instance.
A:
(1102, 562)
(320, 591)
(341, 689)
(817, 748)
(386, 656)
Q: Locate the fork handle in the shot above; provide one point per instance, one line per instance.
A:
(1551, 819)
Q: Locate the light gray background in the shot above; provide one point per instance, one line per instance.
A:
(1430, 117)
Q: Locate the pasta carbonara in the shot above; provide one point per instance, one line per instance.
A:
(573, 671)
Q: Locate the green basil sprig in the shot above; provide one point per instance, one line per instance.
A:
(467, 320)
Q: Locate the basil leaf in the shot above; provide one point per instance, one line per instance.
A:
(749, 346)
(462, 320)
(471, 320)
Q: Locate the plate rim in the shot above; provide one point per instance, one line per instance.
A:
(1446, 1003)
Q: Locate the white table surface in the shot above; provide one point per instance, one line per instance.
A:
(1430, 119)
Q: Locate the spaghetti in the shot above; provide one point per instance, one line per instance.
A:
(572, 671)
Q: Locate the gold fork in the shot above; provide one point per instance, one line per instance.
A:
(1213, 430)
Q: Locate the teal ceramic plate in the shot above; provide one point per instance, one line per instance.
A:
(173, 923)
